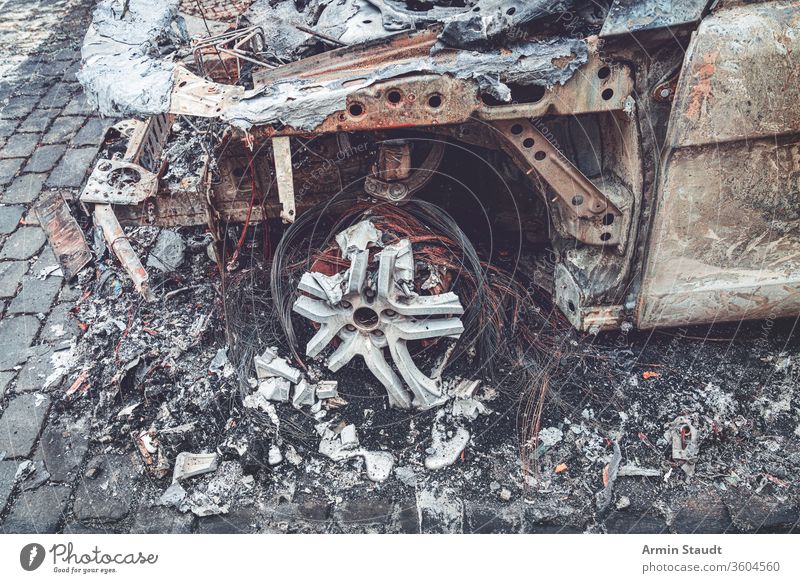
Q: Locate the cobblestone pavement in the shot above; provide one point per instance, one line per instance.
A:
(48, 477)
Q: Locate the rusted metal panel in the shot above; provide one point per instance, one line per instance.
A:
(105, 218)
(631, 16)
(587, 213)
(725, 243)
(115, 182)
(282, 152)
(740, 77)
(64, 234)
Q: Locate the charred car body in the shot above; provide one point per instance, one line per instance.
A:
(646, 154)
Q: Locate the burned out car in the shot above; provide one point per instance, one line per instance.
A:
(637, 160)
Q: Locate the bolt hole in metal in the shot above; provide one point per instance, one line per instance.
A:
(604, 72)
(435, 101)
(608, 219)
(571, 306)
(528, 142)
(122, 176)
(511, 11)
(607, 94)
(365, 318)
(356, 109)
(516, 129)
(394, 96)
(605, 236)
(104, 167)
(577, 200)
(540, 155)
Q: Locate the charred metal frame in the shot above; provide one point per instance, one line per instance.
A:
(611, 268)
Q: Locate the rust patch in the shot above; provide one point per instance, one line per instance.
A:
(65, 236)
(563, 62)
(702, 92)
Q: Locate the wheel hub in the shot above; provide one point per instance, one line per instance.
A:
(372, 309)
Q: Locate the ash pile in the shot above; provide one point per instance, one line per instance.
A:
(211, 392)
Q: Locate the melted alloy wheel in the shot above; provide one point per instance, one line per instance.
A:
(373, 308)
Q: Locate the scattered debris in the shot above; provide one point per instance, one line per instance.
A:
(448, 444)
(327, 389)
(342, 444)
(270, 365)
(168, 253)
(303, 394)
(685, 439)
(188, 465)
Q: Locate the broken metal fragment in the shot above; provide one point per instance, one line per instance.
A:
(378, 309)
(303, 394)
(282, 152)
(105, 218)
(327, 389)
(65, 236)
(188, 465)
(270, 365)
(445, 449)
(168, 253)
(275, 389)
(342, 444)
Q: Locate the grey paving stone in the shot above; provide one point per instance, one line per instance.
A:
(8, 127)
(39, 372)
(9, 218)
(25, 189)
(63, 449)
(24, 243)
(79, 105)
(73, 168)
(63, 129)
(40, 511)
(160, 520)
(38, 121)
(34, 86)
(19, 146)
(92, 133)
(18, 107)
(11, 273)
(78, 528)
(5, 381)
(71, 292)
(492, 518)
(45, 158)
(36, 295)
(630, 523)
(45, 263)
(762, 513)
(8, 471)
(61, 326)
(21, 424)
(235, 522)
(37, 477)
(16, 336)
(8, 169)
(107, 496)
(60, 94)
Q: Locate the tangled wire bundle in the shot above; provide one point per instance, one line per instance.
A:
(508, 326)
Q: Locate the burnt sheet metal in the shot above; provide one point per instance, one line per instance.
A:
(628, 16)
(473, 25)
(305, 103)
(122, 70)
(65, 236)
(726, 228)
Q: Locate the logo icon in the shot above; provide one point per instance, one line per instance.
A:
(31, 556)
